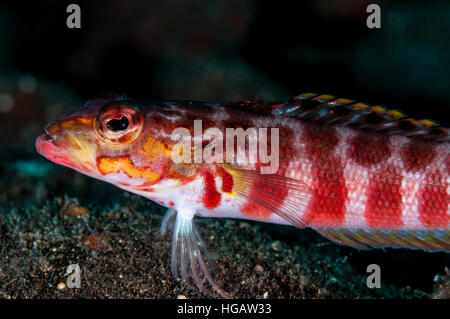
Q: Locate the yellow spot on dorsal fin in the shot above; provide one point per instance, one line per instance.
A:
(428, 123)
(325, 97)
(343, 101)
(360, 106)
(396, 114)
(309, 94)
(378, 109)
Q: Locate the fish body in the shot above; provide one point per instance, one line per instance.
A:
(359, 175)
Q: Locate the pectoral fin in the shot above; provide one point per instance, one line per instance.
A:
(286, 197)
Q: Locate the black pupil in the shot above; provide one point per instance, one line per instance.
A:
(118, 124)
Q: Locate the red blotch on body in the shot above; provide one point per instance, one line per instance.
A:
(384, 200)
(327, 204)
(369, 149)
(211, 197)
(285, 152)
(433, 202)
(320, 141)
(416, 155)
(227, 180)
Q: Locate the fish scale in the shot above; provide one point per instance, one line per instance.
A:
(369, 188)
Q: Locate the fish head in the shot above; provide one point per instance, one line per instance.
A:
(117, 141)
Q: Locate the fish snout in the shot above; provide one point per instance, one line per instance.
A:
(47, 144)
(53, 129)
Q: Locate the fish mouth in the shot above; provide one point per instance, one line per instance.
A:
(47, 147)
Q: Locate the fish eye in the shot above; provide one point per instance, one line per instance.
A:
(119, 124)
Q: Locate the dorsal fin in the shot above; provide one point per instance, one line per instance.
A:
(332, 110)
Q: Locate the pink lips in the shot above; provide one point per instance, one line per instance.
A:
(50, 149)
(42, 144)
(47, 147)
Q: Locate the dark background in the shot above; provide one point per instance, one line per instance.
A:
(221, 51)
(212, 50)
(234, 49)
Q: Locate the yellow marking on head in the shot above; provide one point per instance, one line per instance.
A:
(85, 151)
(108, 165)
(154, 147)
(76, 121)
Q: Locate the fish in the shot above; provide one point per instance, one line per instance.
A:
(360, 175)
